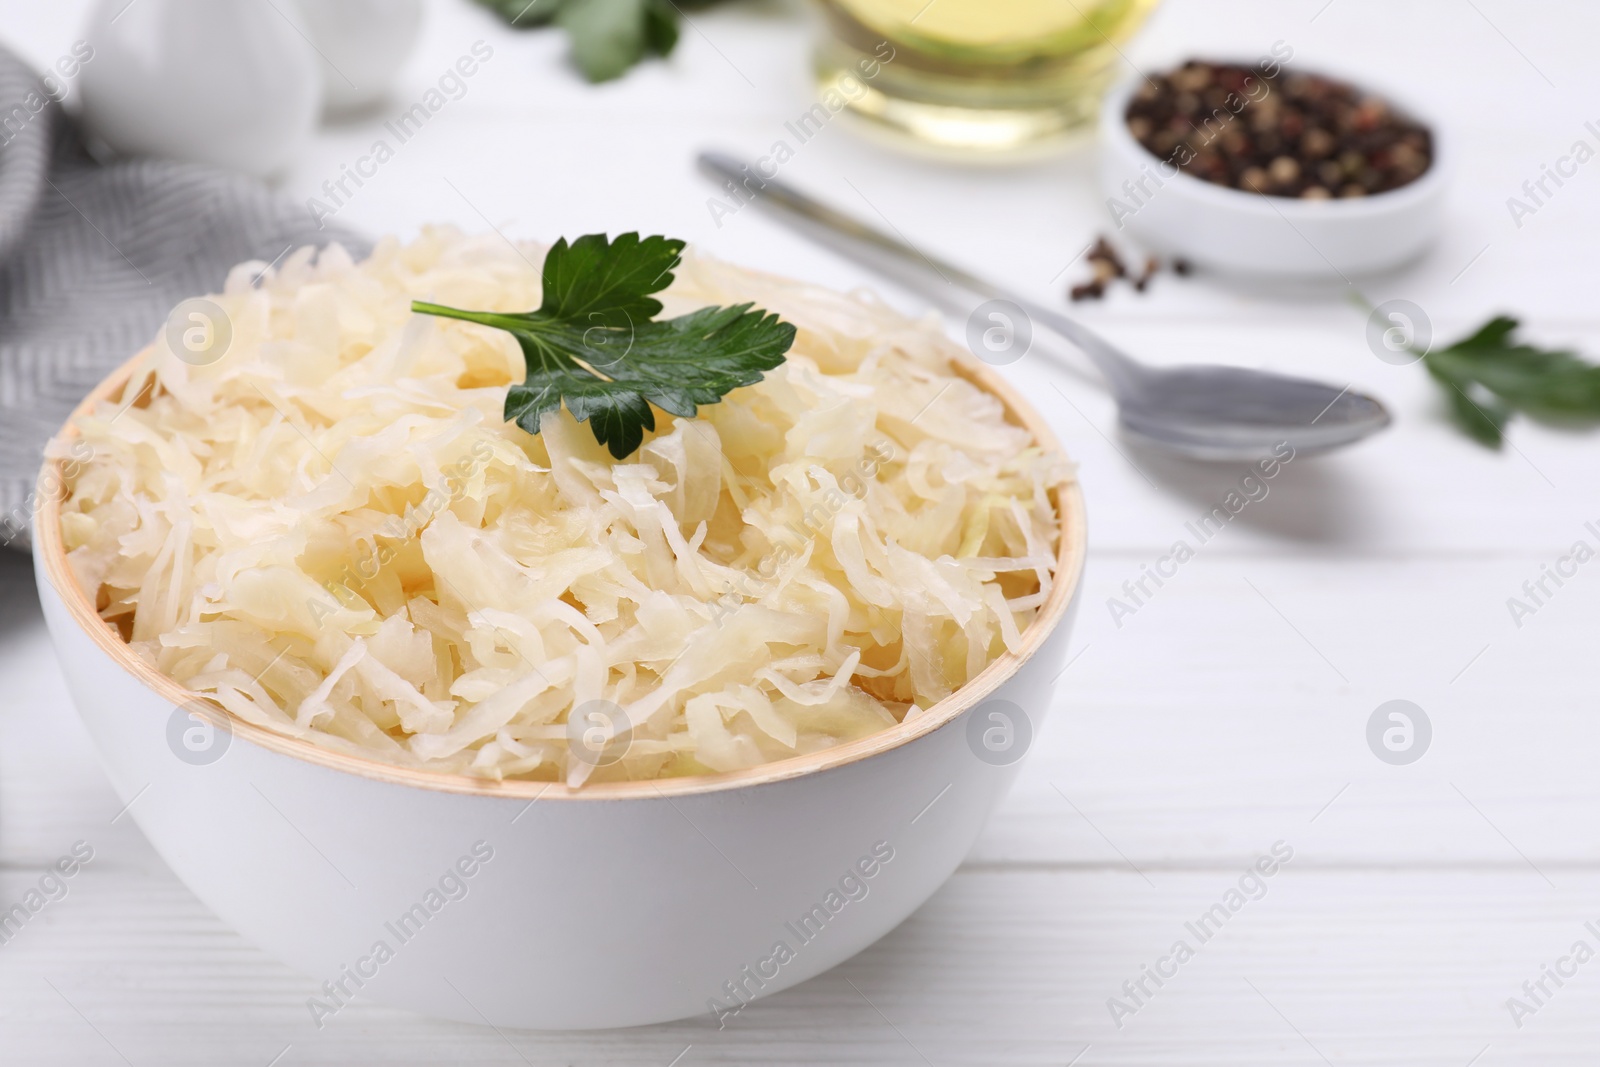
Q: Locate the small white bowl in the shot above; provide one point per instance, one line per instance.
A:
(1268, 237)
(527, 904)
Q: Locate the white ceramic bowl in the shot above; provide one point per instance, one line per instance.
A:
(1259, 236)
(530, 905)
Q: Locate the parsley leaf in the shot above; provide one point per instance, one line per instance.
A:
(594, 346)
(607, 36)
(524, 13)
(1489, 376)
(610, 36)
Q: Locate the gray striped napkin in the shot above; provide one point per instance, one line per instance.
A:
(92, 260)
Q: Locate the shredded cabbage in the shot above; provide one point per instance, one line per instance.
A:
(332, 532)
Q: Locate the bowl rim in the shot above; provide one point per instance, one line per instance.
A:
(1116, 136)
(50, 555)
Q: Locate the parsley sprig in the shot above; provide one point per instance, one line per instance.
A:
(1488, 376)
(593, 343)
(607, 36)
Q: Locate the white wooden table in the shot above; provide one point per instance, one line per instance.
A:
(1227, 714)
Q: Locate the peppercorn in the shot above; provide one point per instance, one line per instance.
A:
(1103, 253)
(1151, 265)
(1316, 143)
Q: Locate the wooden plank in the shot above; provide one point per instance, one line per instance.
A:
(1390, 968)
(1234, 705)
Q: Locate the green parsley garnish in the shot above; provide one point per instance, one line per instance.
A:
(607, 36)
(593, 343)
(1488, 376)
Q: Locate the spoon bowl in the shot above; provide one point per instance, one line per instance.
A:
(1218, 413)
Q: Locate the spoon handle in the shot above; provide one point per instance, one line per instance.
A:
(876, 249)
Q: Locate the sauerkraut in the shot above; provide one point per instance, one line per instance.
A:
(332, 532)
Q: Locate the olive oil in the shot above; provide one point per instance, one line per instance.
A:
(974, 75)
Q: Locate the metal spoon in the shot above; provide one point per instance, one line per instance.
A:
(1203, 411)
